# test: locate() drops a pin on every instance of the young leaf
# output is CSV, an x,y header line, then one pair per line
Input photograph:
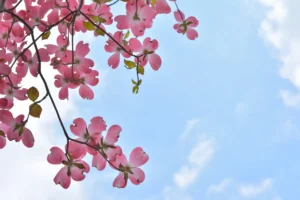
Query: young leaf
x,y
100,32
102,20
129,64
135,89
140,82
46,35
89,26
127,35
133,81
95,18
141,70
35,110
33,94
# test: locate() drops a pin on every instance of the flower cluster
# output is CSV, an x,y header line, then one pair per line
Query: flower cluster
x,y
102,148
23,23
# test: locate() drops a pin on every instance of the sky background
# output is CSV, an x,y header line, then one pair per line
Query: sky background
x,y
218,119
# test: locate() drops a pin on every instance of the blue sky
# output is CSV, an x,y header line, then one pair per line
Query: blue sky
x,y
219,119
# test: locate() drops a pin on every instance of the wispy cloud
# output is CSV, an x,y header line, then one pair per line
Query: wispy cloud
x,y
198,158
190,126
290,99
253,190
280,29
221,187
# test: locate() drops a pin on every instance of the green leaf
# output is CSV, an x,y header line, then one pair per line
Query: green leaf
x,y
127,35
33,94
153,2
141,70
133,81
46,35
135,89
129,64
1,59
95,18
35,110
140,82
89,26
102,20
100,32
125,42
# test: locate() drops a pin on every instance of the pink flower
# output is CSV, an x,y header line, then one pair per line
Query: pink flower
x,y
90,134
60,49
130,169
74,167
15,129
148,50
162,7
112,47
108,148
31,62
137,18
10,93
81,64
186,25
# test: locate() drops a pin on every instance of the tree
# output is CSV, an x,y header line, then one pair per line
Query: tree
x,y
20,57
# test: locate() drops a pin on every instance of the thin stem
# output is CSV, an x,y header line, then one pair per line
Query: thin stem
x,y
113,3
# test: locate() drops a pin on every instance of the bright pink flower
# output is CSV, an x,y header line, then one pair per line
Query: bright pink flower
x,y
131,169
90,134
15,49
74,167
11,93
81,64
137,18
14,126
31,62
60,49
185,26
108,148
112,47
162,7
36,14
148,50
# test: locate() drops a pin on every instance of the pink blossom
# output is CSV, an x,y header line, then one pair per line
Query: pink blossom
x,y
73,167
112,47
137,18
130,169
147,49
186,26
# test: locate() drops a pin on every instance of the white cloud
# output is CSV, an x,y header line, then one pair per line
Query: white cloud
x,y
191,124
253,190
290,99
221,187
280,28
198,158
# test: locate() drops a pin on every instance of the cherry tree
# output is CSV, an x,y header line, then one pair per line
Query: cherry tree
x,y
25,22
